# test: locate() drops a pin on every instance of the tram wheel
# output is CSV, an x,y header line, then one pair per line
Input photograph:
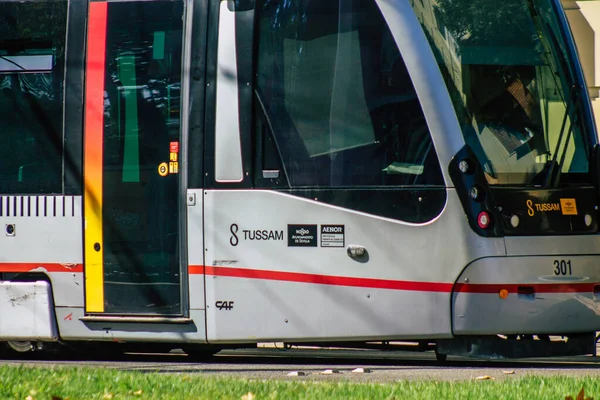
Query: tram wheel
x,y
20,346
16,349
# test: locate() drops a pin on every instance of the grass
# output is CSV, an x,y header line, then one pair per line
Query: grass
x,y
33,383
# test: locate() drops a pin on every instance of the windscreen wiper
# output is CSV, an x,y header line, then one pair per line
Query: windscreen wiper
x,y
556,62
572,99
13,63
552,177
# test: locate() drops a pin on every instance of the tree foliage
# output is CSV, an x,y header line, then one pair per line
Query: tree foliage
x,y
480,22
21,23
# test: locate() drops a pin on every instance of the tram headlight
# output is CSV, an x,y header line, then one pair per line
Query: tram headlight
x,y
587,218
484,220
515,221
463,165
476,193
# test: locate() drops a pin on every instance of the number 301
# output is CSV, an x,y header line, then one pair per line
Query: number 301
x,y
562,267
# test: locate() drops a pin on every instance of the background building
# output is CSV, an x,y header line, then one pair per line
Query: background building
x,y
584,17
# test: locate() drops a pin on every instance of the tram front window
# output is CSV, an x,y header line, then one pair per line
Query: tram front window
x,y
505,66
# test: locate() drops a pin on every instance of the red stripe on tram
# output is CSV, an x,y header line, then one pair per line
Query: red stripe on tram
x,y
439,287
322,279
40,267
535,288
333,280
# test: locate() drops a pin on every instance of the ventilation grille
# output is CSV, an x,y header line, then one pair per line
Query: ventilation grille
x,y
40,206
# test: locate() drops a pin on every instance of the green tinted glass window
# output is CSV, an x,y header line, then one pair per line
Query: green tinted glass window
x,y
32,59
510,79
337,99
142,133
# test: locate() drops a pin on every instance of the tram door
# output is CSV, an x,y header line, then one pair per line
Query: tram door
x,y
131,158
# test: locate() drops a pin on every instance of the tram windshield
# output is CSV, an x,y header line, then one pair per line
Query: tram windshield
x,y
506,68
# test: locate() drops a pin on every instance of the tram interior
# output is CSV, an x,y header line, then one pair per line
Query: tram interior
x,y
507,81
517,112
142,118
339,98
31,97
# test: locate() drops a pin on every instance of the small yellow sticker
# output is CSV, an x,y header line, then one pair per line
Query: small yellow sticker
x,y
568,206
173,167
173,157
163,169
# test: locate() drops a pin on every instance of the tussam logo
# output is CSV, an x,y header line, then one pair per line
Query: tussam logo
x,y
566,207
541,207
302,232
253,234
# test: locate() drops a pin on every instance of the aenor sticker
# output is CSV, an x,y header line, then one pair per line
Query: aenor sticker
x,y
163,169
568,206
302,235
332,236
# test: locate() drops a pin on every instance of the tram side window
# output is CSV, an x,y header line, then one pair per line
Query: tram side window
x,y
335,104
32,58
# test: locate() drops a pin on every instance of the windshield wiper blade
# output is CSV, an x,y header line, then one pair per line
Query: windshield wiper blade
x,y
8,60
575,103
553,175
572,99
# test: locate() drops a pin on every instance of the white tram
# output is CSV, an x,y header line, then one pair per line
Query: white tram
x,y
205,174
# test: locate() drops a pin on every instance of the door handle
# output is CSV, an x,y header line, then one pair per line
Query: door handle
x,y
357,252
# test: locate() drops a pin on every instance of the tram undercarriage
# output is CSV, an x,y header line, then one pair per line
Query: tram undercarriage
x,y
477,347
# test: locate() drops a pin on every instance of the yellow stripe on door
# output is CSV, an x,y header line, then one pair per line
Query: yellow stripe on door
x,y
93,156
